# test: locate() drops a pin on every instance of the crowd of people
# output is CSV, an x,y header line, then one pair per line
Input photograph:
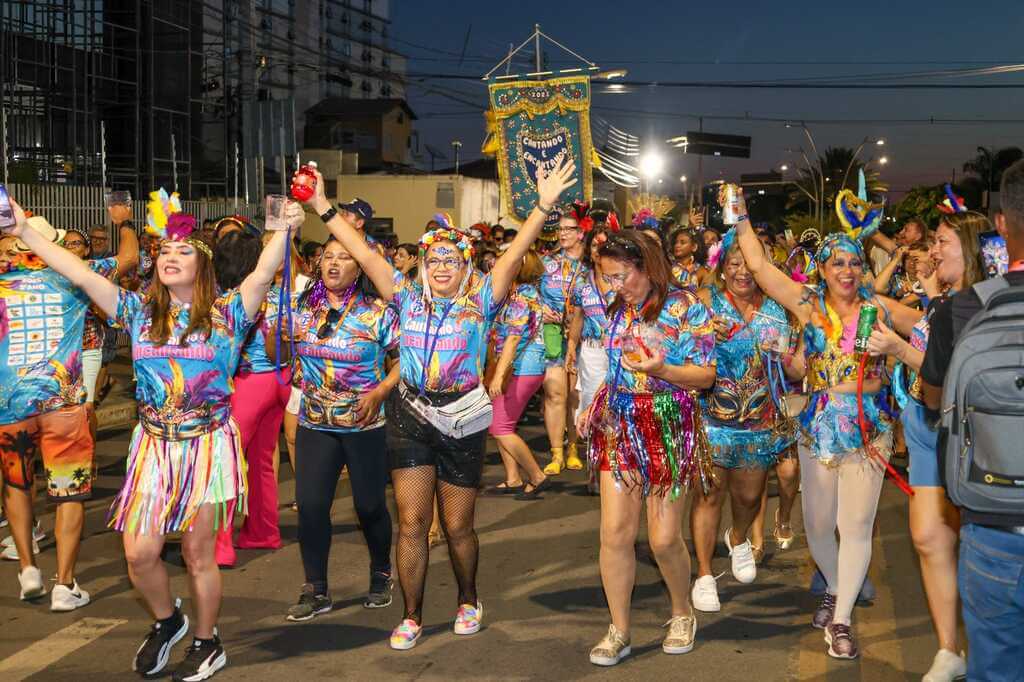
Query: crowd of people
x,y
671,361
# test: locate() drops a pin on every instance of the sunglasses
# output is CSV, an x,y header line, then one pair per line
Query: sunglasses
x,y
327,328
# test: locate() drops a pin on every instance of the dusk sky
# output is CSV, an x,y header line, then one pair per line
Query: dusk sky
x,y
748,41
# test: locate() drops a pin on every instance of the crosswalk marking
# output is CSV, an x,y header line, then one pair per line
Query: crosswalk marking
x,y
41,654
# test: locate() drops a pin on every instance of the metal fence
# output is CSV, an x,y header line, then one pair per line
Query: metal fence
x,y
73,207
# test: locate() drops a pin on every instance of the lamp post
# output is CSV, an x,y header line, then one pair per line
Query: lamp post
x,y
651,164
879,143
816,200
821,174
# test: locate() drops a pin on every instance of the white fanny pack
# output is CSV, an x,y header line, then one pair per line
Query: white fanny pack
x,y
469,414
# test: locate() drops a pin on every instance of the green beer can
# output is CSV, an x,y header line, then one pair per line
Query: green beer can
x,y
865,323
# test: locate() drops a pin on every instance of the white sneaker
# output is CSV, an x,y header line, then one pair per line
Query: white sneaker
x,y
63,598
31,580
705,594
10,552
946,667
744,567
37,534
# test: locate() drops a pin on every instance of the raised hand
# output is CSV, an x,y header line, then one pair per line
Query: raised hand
x,y
551,185
294,214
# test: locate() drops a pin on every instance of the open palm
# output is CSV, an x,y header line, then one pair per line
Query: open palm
x,y
551,185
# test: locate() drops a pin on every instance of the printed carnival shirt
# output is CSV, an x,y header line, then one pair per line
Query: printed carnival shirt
x,y
184,391
460,351
560,276
521,317
683,330
42,320
587,297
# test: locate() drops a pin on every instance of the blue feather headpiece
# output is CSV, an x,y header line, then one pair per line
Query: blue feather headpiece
x,y
859,217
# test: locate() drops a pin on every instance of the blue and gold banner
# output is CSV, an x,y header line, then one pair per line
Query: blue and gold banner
x,y
536,123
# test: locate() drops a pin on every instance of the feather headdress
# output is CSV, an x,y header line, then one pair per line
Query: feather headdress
x,y
952,204
860,218
165,219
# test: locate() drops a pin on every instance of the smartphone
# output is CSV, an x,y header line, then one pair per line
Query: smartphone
x,y
789,236
7,218
275,221
119,197
994,255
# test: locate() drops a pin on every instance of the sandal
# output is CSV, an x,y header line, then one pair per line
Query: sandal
x,y
505,488
535,490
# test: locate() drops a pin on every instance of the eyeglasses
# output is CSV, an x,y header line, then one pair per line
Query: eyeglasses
x,y
448,263
73,245
619,279
569,228
327,328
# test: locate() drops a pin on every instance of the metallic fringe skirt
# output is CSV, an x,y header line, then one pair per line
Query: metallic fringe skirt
x,y
651,441
168,482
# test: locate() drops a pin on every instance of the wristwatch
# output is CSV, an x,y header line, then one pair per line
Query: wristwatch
x,y
328,214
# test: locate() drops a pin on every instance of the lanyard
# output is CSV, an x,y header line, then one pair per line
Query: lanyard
x,y
611,341
350,298
432,345
284,301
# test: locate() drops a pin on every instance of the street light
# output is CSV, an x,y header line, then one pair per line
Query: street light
x,y
783,167
883,160
879,142
682,178
651,164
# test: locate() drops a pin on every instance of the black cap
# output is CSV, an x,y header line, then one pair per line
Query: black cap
x,y
359,207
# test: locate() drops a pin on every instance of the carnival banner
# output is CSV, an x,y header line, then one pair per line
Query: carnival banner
x,y
537,123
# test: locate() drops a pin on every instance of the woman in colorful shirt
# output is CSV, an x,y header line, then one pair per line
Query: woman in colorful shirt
x,y
646,438
590,297
518,374
742,415
934,521
343,332
185,464
687,254
444,318
840,474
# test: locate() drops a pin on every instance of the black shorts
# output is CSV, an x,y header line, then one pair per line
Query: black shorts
x,y
414,443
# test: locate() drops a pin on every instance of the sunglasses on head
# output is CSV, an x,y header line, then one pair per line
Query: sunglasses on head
x,y
325,330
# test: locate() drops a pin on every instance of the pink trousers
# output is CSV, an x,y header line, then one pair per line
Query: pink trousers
x,y
258,407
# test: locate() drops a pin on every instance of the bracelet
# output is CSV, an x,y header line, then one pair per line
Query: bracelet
x,y
328,214
545,211
740,219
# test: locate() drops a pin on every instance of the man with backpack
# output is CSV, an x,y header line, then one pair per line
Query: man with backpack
x,y
973,376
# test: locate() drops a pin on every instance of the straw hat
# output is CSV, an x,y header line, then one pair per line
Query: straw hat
x,y
43,227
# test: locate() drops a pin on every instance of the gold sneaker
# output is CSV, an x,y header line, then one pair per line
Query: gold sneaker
x,y
612,649
682,630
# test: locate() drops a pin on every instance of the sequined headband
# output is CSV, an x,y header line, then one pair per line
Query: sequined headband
x,y
447,233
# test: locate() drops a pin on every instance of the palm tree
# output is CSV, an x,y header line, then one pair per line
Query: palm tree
x,y
989,165
836,169
80,476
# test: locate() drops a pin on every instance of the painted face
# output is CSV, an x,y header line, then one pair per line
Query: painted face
x,y
8,254
738,279
684,246
842,273
626,280
177,264
445,268
569,233
948,255
74,243
337,268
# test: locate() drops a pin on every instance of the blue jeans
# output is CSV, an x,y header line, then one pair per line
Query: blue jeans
x,y
991,580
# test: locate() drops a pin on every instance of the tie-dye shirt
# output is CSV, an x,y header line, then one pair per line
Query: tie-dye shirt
x,y
560,276
683,330
521,317
184,391
587,297
42,318
457,362
338,369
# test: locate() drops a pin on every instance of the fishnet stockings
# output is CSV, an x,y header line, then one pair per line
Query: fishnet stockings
x,y
414,495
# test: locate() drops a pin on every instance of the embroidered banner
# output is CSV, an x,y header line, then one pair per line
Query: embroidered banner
x,y
537,123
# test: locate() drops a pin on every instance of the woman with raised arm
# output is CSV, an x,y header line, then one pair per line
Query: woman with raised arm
x,y
185,463
439,416
841,477
646,437
742,415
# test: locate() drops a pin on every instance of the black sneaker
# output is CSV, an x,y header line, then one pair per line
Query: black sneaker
x,y
204,658
310,605
379,595
152,656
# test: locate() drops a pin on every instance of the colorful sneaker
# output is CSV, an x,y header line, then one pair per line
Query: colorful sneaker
x,y
202,660
841,643
825,611
468,619
611,649
31,581
406,635
682,631
64,598
152,656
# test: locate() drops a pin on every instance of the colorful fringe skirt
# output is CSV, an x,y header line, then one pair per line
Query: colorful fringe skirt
x,y
168,481
738,448
830,423
651,441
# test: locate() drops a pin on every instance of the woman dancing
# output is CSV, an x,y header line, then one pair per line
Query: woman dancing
x,y
444,319
646,437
